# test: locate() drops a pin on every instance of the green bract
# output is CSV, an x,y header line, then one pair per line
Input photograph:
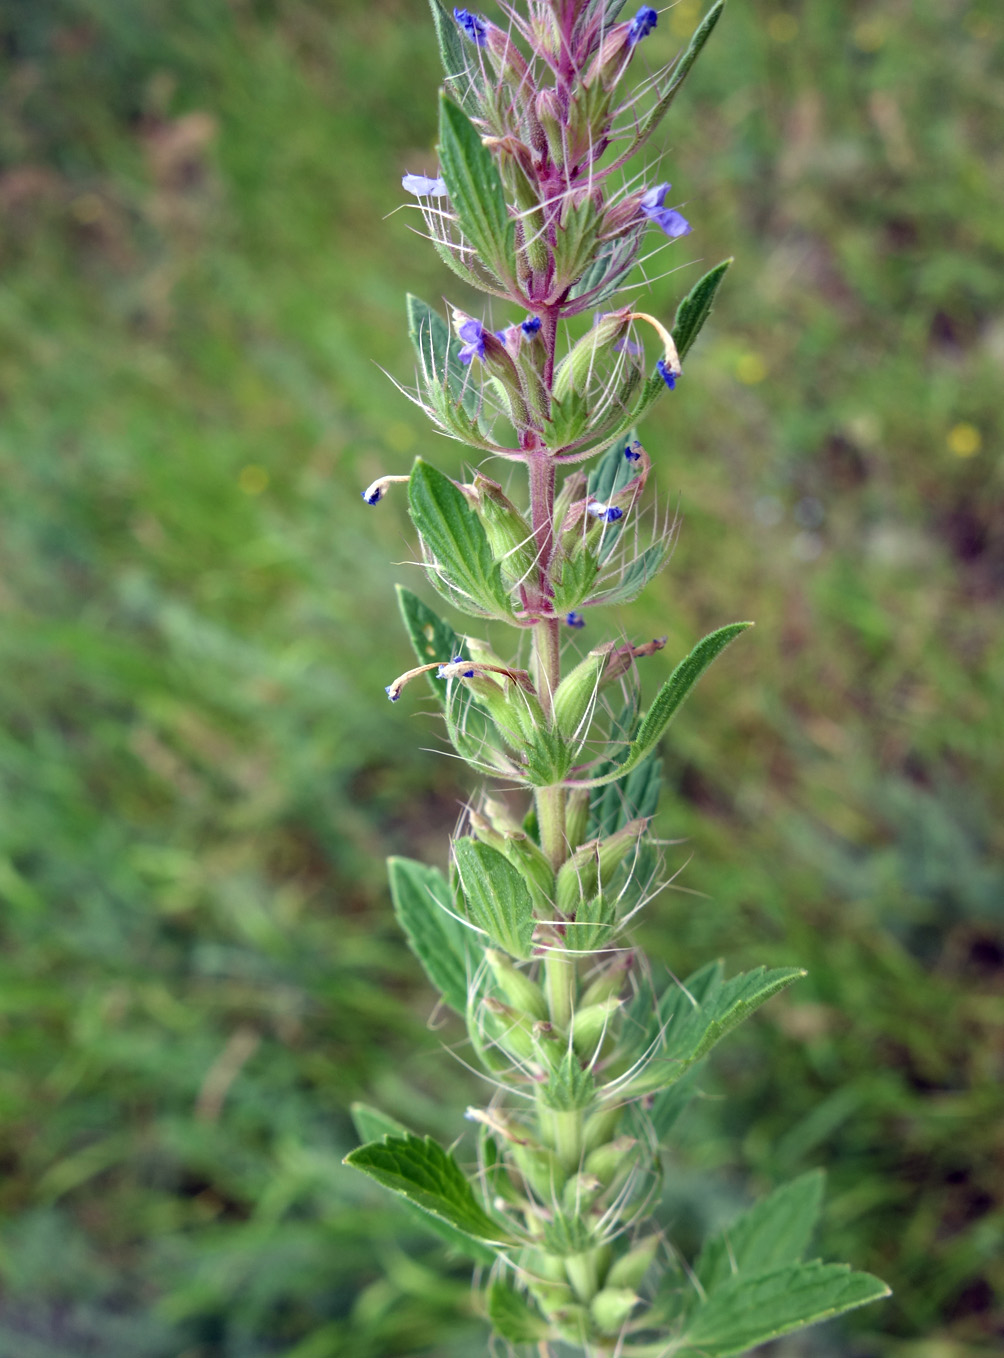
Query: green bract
x,y
590,1062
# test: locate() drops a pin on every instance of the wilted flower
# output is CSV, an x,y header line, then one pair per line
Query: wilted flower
x,y
473,25
642,24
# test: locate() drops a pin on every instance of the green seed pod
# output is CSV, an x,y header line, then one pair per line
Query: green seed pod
x,y
600,1126
579,1194
630,1269
578,879
609,982
591,1024
576,694
509,535
612,1160
541,1169
612,1307
577,367
576,817
523,994
510,1030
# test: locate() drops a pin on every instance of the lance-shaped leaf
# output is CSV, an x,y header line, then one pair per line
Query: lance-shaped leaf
x,y
677,75
372,1125
475,189
774,1232
683,1031
453,534
636,576
431,638
498,901
695,308
746,1311
443,945
637,798
453,56
513,1315
421,1172
668,700
439,353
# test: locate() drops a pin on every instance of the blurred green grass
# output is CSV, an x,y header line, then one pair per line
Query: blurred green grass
x,y
200,776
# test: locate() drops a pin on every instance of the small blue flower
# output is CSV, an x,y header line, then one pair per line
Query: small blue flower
x,y
668,376
530,326
642,24
633,450
608,513
473,332
575,620
392,693
372,497
423,187
457,660
473,25
666,218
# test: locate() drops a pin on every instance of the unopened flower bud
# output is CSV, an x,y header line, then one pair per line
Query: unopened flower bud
x,y
580,1193
591,1023
609,982
630,1269
612,1307
542,1170
576,694
600,1126
577,368
522,993
612,1160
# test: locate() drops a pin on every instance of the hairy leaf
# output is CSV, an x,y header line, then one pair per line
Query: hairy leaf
x,y
669,698
678,75
372,1125
475,189
441,943
684,1029
421,1172
775,1231
749,1310
695,308
454,535
498,901
513,1315
438,352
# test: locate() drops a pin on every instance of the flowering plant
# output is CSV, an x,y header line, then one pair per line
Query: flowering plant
x,y
589,1061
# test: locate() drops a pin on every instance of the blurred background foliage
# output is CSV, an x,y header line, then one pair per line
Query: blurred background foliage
x,y
199,773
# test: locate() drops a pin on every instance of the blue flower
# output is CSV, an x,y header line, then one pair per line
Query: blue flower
x,y
530,326
457,660
667,218
633,450
392,693
473,25
608,513
423,187
641,25
667,375
473,332
575,620
372,496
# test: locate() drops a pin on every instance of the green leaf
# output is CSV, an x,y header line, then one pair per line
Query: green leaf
x,y
454,535
498,901
372,1125
746,1311
677,76
578,575
669,1105
475,189
442,944
637,798
421,1172
690,1027
695,308
669,698
432,639
775,1231
636,576
513,1317
452,54
438,352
